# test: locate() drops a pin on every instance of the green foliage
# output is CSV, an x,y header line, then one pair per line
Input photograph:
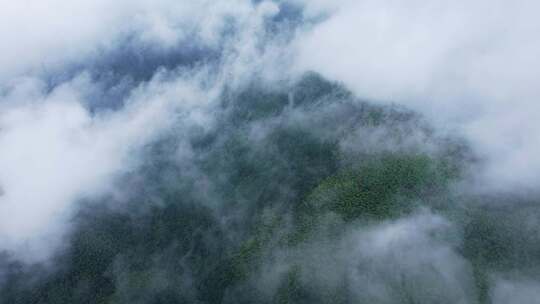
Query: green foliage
x,y
382,188
268,177
249,256
255,103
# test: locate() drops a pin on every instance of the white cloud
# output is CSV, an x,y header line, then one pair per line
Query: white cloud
x,y
469,65
413,258
55,152
40,36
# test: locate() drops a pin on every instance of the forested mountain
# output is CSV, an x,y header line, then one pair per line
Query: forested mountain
x,y
269,151
263,208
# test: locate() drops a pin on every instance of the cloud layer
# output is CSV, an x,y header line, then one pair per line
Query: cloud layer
x,y
60,143
470,66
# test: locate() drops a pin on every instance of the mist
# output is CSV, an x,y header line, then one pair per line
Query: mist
x,y
469,67
269,152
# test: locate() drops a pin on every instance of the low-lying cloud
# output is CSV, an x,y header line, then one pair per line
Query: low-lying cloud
x,y
470,66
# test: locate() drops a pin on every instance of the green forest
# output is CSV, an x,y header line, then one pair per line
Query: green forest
x,y
267,203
